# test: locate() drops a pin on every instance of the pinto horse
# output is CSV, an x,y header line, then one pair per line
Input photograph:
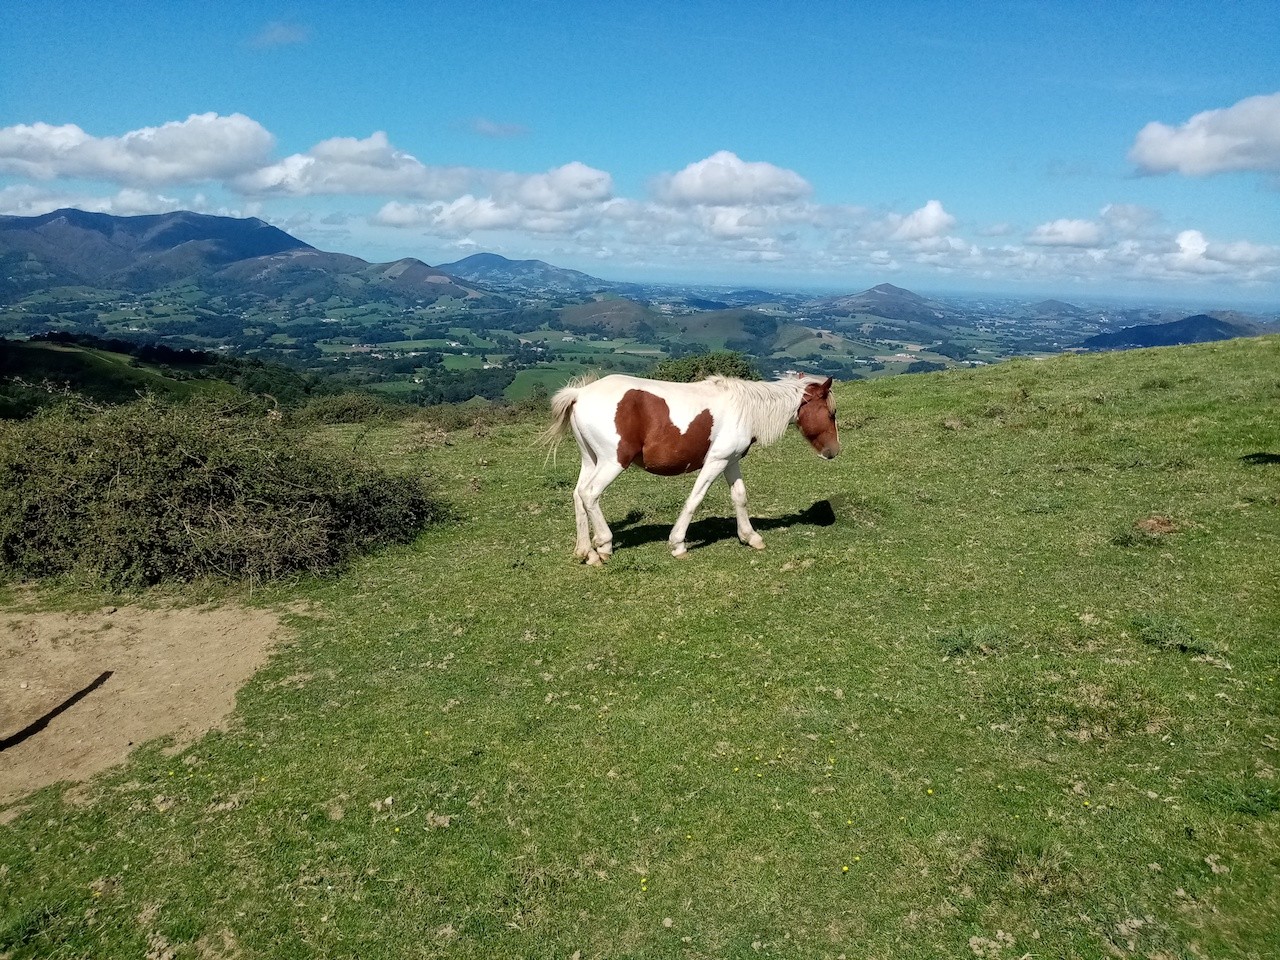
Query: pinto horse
x,y
673,428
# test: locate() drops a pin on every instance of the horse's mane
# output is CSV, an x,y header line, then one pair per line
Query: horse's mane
x,y
768,407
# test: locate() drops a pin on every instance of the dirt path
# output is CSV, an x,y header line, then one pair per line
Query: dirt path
x,y
79,691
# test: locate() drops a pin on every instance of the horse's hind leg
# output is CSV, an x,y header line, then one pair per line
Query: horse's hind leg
x,y
605,472
582,542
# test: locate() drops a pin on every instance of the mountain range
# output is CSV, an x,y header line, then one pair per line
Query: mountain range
x,y
218,254
227,257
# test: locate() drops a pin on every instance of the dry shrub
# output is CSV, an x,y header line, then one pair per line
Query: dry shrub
x,y
143,493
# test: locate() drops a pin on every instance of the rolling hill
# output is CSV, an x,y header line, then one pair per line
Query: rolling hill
x,y
884,300
1200,328
494,270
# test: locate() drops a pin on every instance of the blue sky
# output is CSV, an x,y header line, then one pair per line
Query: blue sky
x,y
1081,149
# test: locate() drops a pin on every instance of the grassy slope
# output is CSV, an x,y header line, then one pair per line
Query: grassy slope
x,y
98,374
959,671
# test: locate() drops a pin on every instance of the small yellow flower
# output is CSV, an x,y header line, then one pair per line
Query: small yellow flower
x,y
1086,803
844,869
929,791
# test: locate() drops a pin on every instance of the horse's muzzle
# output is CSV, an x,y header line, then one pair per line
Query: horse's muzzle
x,y
830,452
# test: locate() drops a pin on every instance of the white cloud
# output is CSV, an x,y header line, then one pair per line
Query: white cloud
x,y
346,165
25,200
203,147
1128,218
560,200
931,220
561,188
723,179
1245,136
1066,233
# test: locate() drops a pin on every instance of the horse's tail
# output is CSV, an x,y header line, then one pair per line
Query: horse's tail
x,y
562,409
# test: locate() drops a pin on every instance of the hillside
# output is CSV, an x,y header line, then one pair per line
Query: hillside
x,y
1201,328
491,269
38,373
884,300
1002,683
137,252
616,316
218,255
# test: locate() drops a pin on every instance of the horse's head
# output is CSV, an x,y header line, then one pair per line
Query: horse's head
x,y
817,419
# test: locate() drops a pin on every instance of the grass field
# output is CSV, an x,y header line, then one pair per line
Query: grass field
x,y
1004,684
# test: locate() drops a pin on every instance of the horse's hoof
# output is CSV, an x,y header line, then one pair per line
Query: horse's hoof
x,y
594,559
756,542
680,551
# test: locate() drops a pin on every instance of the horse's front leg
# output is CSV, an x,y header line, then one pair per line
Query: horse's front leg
x,y
710,470
738,491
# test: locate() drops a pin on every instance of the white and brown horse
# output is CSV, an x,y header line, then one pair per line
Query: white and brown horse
x,y
674,428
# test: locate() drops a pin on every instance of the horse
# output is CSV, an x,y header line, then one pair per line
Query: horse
x,y
673,428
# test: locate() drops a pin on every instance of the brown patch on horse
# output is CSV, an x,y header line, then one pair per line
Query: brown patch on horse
x,y
817,419
649,439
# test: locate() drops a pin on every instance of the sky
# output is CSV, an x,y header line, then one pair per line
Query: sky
x,y
1082,149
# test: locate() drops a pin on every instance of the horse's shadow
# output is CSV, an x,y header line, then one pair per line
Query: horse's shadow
x,y
628,532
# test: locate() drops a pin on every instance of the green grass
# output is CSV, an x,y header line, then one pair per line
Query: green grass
x,y
963,669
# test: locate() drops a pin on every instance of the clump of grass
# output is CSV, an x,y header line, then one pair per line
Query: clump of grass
x,y
147,492
964,641
1167,633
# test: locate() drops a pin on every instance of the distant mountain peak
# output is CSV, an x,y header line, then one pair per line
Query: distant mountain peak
x,y
889,290
495,269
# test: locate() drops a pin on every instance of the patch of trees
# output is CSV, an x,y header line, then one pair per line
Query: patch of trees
x,y
458,386
924,366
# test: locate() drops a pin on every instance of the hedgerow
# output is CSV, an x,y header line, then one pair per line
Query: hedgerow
x,y
148,492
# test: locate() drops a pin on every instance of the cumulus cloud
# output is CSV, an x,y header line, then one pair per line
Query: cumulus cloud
x,y
1066,233
26,200
346,165
205,146
1245,136
723,179
560,200
931,220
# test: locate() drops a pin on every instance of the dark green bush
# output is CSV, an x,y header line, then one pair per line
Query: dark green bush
x,y
145,492
699,366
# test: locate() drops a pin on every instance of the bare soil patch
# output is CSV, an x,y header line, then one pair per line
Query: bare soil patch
x,y
1156,526
79,691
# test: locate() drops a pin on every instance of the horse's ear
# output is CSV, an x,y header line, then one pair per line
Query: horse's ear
x,y
826,387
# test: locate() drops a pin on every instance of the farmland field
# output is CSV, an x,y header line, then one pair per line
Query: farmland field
x,y
1003,684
